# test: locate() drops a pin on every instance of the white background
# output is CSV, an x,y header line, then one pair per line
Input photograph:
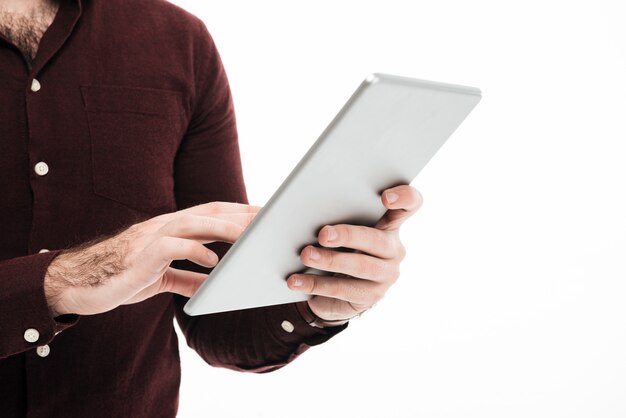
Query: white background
x,y
512,299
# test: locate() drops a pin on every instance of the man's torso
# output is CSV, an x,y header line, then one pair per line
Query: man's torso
x,y
114,84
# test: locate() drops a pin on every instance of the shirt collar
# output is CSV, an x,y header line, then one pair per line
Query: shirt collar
x,y
57,34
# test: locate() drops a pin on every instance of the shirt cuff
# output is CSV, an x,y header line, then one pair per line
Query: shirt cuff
x,y
26,321
287,324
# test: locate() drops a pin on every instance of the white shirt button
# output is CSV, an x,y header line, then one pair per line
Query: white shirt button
x,y
287,326
31,335
43,350
43,250
35,86
41,168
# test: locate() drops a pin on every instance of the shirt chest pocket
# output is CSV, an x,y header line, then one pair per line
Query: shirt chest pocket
x,y
135,133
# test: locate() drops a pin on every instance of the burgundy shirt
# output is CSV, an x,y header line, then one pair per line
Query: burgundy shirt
x,y
125,114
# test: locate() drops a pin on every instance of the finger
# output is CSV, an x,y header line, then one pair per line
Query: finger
x,y
211,209
361,266
360,293
181,282
404,197
177,281
242,219
158,255
218,208
202,228
393,220
402,201
369,240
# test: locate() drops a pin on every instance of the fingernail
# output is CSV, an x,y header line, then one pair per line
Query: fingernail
x,y
296,281
391,197
212,257
314,253
331,233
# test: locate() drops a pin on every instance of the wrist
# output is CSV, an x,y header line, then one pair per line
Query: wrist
x,y
315,321
55,286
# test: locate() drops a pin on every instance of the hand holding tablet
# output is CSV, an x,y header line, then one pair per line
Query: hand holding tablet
x,y
361,278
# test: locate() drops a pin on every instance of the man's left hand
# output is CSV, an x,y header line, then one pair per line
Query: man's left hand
x,y
363,277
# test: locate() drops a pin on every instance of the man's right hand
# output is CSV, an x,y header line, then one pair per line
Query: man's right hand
x,y
134,265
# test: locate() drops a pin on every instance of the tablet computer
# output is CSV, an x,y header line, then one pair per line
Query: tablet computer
x,y
382,137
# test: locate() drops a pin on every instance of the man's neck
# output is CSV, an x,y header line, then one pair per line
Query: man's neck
x,y
25,21
22,7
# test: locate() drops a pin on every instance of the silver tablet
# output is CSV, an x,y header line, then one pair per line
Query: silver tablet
x,y
383,136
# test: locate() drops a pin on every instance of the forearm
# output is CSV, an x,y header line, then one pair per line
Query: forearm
x,y
90,264
253,340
